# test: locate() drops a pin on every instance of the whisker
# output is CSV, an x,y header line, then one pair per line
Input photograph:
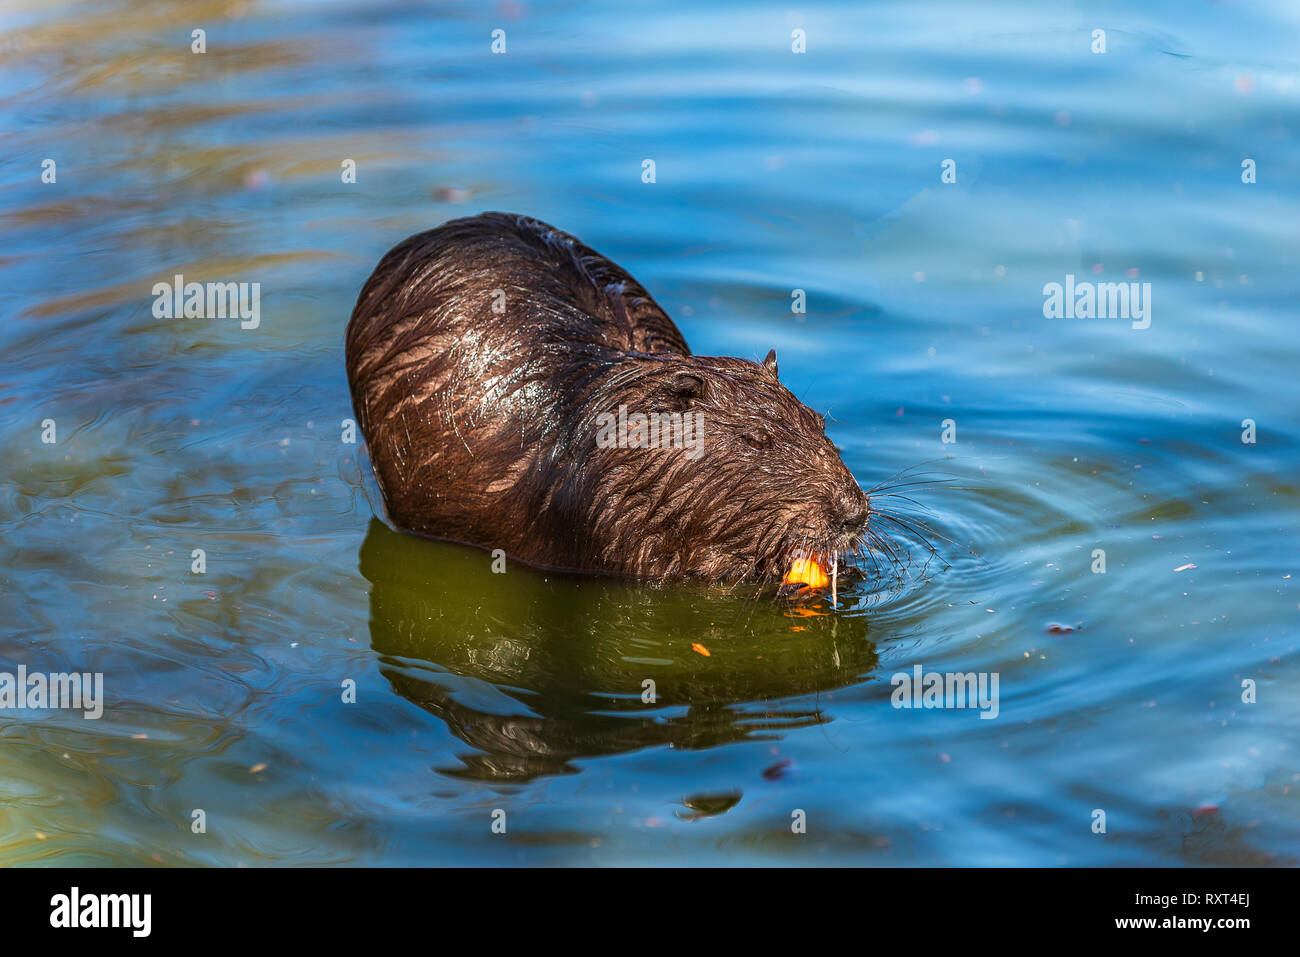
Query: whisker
x,y
910,523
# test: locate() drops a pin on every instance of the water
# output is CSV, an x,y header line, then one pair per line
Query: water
x,y
775,171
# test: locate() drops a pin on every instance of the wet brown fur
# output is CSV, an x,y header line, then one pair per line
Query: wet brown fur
x,y
482,424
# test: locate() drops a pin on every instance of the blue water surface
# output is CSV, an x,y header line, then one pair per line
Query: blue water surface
x,y
1160,693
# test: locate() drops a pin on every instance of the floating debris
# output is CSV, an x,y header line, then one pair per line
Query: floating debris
x,y
779,770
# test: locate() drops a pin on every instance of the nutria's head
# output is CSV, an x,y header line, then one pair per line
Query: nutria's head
x,y
695,466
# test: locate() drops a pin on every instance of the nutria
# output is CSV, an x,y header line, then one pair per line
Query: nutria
x,y
488,360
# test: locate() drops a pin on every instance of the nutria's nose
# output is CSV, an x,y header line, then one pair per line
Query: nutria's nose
x,y
853,510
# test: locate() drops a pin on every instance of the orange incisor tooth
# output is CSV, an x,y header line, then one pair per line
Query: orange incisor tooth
x,y
807,570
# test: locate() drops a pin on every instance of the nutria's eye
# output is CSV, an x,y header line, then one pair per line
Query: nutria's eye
x,y
757,440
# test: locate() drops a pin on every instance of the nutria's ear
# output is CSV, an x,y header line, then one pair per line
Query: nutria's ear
x,y
687,385
770,363
677,391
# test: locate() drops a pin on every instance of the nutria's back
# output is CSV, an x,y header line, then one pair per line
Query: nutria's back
x,y
485,358
550,292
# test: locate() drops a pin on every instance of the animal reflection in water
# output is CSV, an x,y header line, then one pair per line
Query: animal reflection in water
x,y
534,671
